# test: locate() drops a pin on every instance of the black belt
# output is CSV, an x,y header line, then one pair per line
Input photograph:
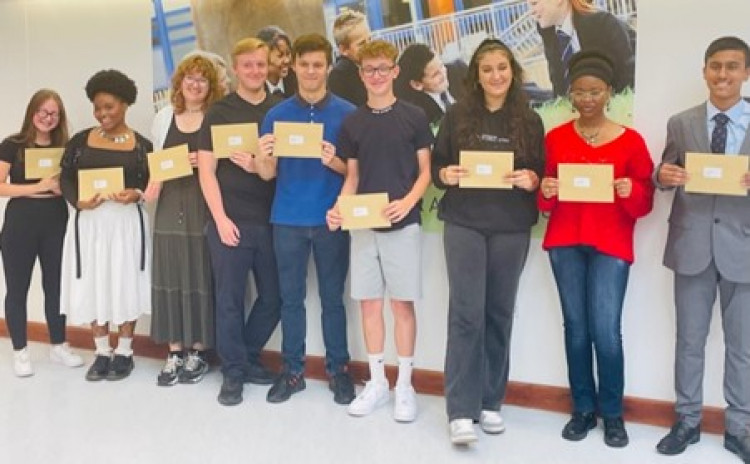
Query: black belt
x,y
143,241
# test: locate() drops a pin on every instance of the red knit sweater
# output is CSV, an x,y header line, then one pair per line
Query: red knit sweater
x,y
608,227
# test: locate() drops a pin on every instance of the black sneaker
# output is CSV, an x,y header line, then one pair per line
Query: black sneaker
x,y
120,367
342,387
258,374
171,371
195,368
739,445
231,392
615,434
100,368
579,425
679,437
285,386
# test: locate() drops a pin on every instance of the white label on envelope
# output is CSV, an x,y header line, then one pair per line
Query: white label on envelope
x,y
296,139
234,141
360,211
712,173
581,182
45,163
484,169
166,164
100,184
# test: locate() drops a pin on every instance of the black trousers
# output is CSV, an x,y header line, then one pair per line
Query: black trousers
x,y
34,227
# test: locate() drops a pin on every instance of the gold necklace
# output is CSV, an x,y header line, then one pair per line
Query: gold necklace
x,y
589,138
119,138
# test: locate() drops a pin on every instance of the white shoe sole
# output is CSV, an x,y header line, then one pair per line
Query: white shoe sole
x,y
356,412
464,439
410,416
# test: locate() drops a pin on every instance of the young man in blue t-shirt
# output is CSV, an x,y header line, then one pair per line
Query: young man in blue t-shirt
x,y
386,143
305,189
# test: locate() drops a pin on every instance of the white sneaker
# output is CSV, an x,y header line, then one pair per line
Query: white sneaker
x,y
405,406
491,422
462,431
63,355
374,395
22,363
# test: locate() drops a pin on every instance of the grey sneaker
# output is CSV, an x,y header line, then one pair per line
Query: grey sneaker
x,y
171,372
195,368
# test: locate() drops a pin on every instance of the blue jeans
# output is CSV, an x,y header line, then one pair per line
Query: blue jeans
x,y
331,256
592,289
240,339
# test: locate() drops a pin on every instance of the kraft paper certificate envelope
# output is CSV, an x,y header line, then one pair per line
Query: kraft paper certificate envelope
x,y
363,211
228,138
586,182
487,169
715,173
42,162
168,164
103,181
298,139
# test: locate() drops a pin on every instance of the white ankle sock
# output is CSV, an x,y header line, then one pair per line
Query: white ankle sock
x,y
405,366
124,346
377,367
102,345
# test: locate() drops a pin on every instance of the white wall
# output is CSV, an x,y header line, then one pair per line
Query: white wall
x,y
62,46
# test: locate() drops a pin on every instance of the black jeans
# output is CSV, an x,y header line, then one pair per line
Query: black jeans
x,y
34,227
483,274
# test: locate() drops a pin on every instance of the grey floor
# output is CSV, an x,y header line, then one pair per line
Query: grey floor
x,y
57,417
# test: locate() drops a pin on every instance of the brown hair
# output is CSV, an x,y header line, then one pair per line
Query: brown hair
x,y
247,45
195,64
312,43
583,6
377,49
27,135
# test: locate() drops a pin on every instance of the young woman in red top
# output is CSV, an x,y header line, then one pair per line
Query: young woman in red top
x,y
591,245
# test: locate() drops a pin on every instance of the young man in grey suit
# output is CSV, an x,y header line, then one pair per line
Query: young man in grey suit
x,y
708,247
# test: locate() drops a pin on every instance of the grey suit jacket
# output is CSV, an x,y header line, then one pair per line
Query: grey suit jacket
x,y
704,227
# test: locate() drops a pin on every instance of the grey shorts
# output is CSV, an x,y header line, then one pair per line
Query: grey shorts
x,y
386,260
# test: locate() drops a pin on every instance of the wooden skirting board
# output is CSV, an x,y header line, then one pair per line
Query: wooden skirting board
x,y
527,395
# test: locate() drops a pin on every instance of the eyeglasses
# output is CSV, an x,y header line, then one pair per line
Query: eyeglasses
x,y
583,94
196,80
382,71
42,113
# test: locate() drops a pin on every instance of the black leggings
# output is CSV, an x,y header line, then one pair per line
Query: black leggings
x,y
34,227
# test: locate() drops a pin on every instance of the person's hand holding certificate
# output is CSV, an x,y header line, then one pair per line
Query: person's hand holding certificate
x,y
364,211
298,140
580,182
486,169
170,163
715,173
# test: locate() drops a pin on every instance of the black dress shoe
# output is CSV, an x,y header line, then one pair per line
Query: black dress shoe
x,y
615,434
231,392
738,445
579,425
120,367
285,386
258,374
98,370
679,437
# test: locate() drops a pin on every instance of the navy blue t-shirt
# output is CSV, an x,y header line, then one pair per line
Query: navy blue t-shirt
x,y
385,143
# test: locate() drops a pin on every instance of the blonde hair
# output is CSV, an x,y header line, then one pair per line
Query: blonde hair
x,y
195,64
344,24
377,49
247,45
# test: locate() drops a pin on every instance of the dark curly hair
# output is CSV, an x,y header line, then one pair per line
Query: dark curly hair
x,y
113,82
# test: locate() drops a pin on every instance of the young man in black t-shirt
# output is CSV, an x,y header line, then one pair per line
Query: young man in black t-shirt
x,y
387,147
239,195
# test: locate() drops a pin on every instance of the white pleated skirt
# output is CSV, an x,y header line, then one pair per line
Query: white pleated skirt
x,y
110,285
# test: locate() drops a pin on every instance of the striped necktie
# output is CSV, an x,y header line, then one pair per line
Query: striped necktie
x,y
565,42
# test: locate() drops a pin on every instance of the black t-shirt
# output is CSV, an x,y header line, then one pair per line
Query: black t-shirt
x,y
176,137
246,197
12,152
385,143
79,155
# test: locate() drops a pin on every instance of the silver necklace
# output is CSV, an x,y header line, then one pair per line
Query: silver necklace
x,y
119,138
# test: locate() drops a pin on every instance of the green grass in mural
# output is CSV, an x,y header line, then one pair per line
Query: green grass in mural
x,y
553,113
